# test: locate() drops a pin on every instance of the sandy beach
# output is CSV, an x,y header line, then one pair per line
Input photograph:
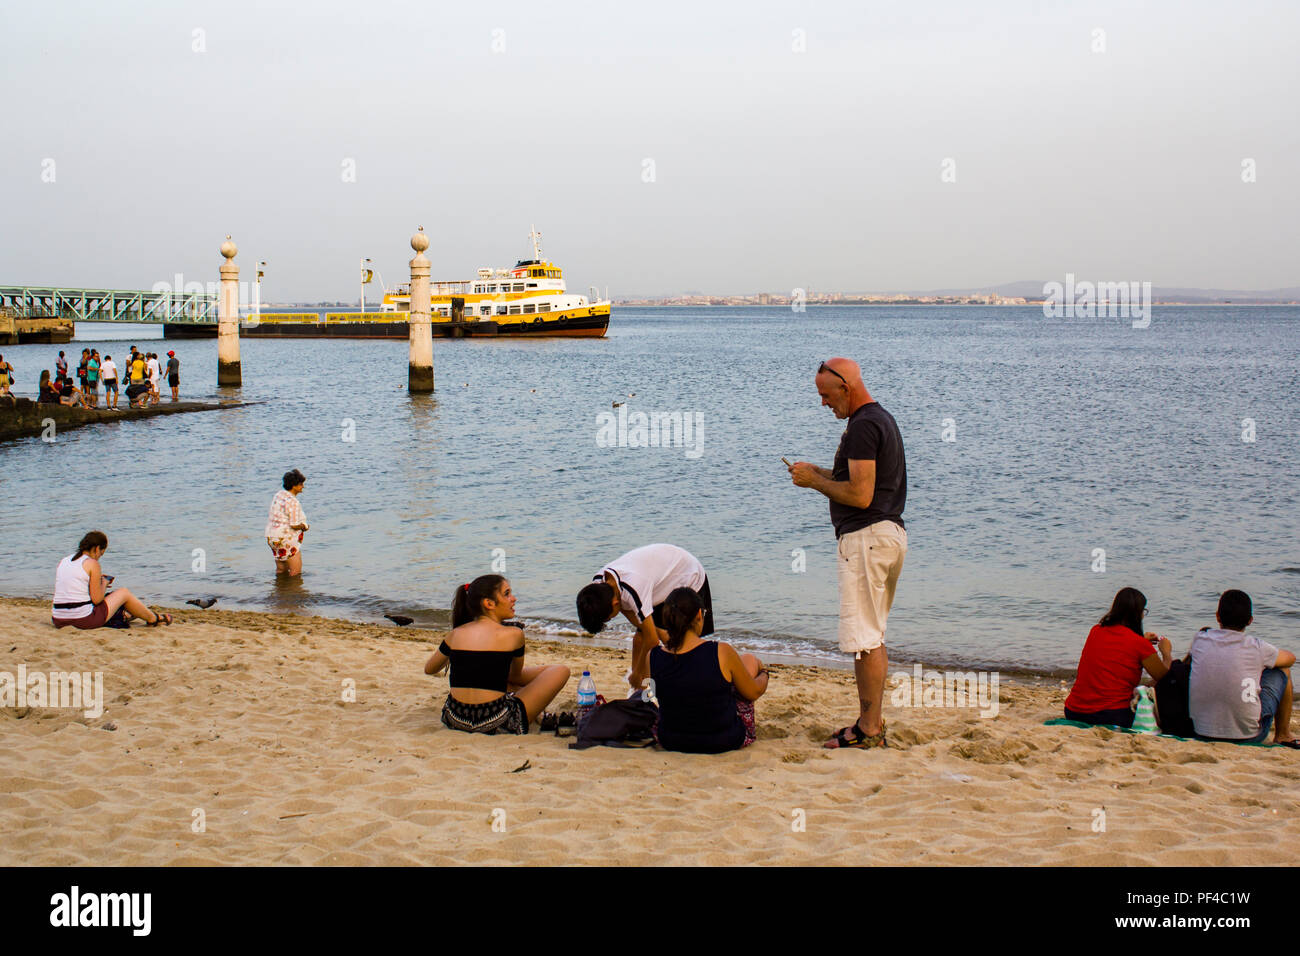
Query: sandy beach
x,y
225,739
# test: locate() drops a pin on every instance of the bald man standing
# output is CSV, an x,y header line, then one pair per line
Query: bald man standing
x,y
867,488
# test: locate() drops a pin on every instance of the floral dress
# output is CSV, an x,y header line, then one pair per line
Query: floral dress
x,y
280,535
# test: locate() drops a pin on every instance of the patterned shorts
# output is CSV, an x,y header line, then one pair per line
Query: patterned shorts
x,y
505,715
745,708
283,551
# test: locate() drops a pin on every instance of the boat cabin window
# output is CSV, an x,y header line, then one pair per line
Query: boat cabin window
x,y
519,287
529,309
544,307
532,285
514,310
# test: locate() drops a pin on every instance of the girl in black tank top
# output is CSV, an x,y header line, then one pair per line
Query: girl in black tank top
x,y
704,688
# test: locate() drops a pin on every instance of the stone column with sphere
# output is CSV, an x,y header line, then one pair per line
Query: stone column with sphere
x,y
228,369
420,323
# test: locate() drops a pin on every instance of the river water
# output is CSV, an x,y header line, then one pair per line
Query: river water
x,y
1033,446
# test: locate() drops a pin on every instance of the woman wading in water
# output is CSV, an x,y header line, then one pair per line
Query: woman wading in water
x,y
286,525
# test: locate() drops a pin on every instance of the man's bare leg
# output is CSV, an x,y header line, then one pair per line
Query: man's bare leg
x,y
870,668
1282,720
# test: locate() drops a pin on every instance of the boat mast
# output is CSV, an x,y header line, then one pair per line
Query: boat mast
x,y
536,236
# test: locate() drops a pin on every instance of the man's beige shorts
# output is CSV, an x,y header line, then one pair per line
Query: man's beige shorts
x,y
870,561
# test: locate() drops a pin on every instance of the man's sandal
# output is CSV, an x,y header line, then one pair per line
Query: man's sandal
x,y
852,737
159,619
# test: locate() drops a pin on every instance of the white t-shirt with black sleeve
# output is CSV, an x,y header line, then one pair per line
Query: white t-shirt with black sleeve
x,y
647,575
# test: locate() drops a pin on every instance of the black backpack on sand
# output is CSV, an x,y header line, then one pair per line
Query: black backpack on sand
x,y
619,723
1171,700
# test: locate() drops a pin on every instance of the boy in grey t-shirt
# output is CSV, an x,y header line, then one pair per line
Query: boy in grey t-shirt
x,y
1239,684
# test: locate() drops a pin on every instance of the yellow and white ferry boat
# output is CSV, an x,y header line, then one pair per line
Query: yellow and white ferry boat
x,y
528,300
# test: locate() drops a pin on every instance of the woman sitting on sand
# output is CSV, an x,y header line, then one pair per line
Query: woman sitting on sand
x,y
287,524
80,591
1114,656
706,690
491,689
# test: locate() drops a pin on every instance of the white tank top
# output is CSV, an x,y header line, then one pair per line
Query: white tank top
x,y
72,586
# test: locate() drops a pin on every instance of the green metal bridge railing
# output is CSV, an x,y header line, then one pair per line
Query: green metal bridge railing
x,y
109,305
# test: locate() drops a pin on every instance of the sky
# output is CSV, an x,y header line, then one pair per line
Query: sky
x,y
722,148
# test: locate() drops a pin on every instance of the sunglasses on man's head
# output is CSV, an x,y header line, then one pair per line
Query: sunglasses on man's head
x,y
826,368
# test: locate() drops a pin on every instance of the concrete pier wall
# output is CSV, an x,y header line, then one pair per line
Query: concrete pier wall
x,y
24,418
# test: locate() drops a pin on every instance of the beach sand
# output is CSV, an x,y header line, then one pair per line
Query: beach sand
x,y
239,716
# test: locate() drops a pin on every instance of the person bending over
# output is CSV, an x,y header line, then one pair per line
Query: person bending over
x,y
81,595
492,690
636,585
705,689
69,394
1113,659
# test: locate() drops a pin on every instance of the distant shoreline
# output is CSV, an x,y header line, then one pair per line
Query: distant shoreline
x,y
927,305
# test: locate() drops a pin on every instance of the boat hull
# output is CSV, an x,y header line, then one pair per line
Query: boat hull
x,y
589,322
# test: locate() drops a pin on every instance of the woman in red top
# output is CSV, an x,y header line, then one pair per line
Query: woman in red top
x,y
1111,665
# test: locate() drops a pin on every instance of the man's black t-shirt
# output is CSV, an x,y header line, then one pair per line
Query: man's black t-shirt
x,y
871,433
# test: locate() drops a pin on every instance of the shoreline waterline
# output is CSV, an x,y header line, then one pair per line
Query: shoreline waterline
x,y
539,635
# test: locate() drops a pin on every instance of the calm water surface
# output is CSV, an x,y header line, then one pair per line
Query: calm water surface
x,y
1071,435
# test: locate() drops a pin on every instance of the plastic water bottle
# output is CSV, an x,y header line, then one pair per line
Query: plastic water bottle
x,y
586,697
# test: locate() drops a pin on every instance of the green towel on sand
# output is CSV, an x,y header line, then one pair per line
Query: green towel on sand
x,y
1064,722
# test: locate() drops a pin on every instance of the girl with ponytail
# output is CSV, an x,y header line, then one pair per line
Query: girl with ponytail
x,y
81,595
467,603
706,690
491,690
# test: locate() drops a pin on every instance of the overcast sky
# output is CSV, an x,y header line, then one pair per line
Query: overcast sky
x,y
165,126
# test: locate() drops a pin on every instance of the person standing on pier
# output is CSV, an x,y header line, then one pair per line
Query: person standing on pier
x,y
137,392
286,525
174,375
92,378
109,372
61,367
6,376
867,488
155,373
